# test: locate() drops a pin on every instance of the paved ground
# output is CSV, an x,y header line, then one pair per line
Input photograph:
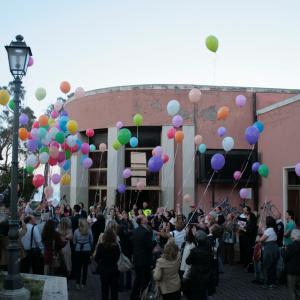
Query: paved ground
x,y
235,284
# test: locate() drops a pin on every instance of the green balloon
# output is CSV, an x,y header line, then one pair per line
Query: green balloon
x,y
68,154
40,94
116,145
124,136
263,170
29,169
11,104
138,120
44,149
60,137
212,43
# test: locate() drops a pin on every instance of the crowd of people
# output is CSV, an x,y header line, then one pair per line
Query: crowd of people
x,y
164,252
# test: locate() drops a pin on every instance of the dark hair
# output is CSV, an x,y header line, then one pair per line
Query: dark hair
x,y
220,208
248,208
109,238
77,208
190,238
27,219
82,205
48,231
270,222
139,220
291,213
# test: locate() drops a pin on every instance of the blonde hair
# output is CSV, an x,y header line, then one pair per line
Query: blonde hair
x,y
83,226
171,250
64,226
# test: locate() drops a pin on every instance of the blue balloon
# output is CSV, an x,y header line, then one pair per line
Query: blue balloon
x,y
259,125
202,148
67,165
92,148
121,188
63,123
155,163
252,135
217,162
78,142
64,113
42,132
133,142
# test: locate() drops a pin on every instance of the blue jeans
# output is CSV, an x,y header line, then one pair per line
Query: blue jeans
x,y
257,270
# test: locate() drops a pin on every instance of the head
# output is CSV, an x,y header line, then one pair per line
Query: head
x,y
68,207
48,231
145,205
109,238
57,210
289,215
92,210
247,210
179,225
230,217
77,208
64,225
201,237
83,226
170,250
113,225
125,215
112,212
140,212
270,222
81,205
66,212
277,215
218,209
142,220
295,235
215,230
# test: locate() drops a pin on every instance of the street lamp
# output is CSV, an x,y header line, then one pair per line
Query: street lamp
x,y
18,58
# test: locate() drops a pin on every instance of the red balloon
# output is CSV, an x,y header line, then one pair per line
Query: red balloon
x,y
65,146
38,180
52,161
90,132
171,133
74,149
36,124
165,158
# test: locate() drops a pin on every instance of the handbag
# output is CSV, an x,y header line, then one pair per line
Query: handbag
x,y
124,263
151,292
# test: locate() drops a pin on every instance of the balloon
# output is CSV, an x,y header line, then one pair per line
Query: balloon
x,y
212,43
68,154
133,142
38,180
116,145
85,148
61,157
255,167
31,160
42,132
202,148
263,170
46,140
155,163
221,131
53,152
195,95
44,157
30,61
64,113
54,144
243,193
92,148
60,137
87,163
102,147
4,97
237,175
173,107
119,124
165,158
187,198
121,188
34,133
223,113
124,136
179,136
259,125
23,134
198,139
55,178
140,185
171,133
158,151
90,132
35,124
40,94
67,165
48,191
44,149
65,179
29,169
65,87
252,135
138,120
11,104
43,120
52,161
32,145
240,100
217,162
177,121
71,140
58,106
228,143
23,119
79,92
72,126
126,173
297,169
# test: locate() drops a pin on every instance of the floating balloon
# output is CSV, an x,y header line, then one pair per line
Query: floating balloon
x,y
116,145
119,124
53,152
79,92
29,169
165,158
4,97
173,107
23,119
67,165
32,145
71,141
48,191
87,163
92,148
64,113
140,185
126,173
31,160
187,198
171,133
55,178
72,126
240,100
259,125
217,162
179,136
244,193
228,143
11,104
212,43
202,148
65,179
121,188
263,170
133,142
40,94
61,157
252,135
255,167
30,61
23,134
155,163
43,120
65,87
52,133
297,169
237,175
38,180
63,121
221,131
124,136
90,132
58,106
44,149
85,148
195,95
54,114
138,120
223,113
102,147
198,139
52,161
60,137
177,121
158,151
44,157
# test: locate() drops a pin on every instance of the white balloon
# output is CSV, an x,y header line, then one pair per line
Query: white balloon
x,y
52,132
71,140
46,140
44,157
173,107
31,160
34,133
228,143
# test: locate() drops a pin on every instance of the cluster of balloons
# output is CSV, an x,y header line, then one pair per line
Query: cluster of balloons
x,y
173,108
158,159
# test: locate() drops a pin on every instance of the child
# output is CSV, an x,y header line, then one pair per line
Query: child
x,y
257,258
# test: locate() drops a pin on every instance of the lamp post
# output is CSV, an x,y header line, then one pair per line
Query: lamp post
x,y
18,58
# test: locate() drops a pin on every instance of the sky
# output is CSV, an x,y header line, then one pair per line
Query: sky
x,y
96,43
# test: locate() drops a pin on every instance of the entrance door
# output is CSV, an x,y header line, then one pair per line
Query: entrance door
x,y
293,194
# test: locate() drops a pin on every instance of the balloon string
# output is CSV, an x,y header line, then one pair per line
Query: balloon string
x,y
137,198
130,199
263,215
98,178
214,68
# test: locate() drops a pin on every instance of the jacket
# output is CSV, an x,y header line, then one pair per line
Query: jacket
x,y
107,259
166,274
292,259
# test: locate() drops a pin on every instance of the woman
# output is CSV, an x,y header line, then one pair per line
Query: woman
x,y
166,272
229,239
270,252
54,263
68,211
65,231
92,218
107,256
83,243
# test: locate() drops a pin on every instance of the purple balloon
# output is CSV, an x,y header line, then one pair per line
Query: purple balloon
x,y
255,167
121,188
87,163
30,61
177,121
297,169
221,131
217,162
126,173
243,193
32,145
23,119
55,178
64,113
252,135
155,163
240,100
158,151
119,124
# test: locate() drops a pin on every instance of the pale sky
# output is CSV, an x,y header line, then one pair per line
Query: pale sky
x,y
97,43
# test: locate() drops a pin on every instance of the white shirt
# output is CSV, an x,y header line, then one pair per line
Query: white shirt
x,y
36,240
179,237
185,254
270,234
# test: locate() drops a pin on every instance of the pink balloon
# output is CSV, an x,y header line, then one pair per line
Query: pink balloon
x,y
48,191
61,157
38,180
158,151
140,185
53,152
58,106
55,178
240,100
87,163
85,148
54,114
119,124
237,175
126,173
165,158
177,121
79,92
198,139
297,169
171,133
195,95
54,144
102,147
243,193
187,198
90,132
30,61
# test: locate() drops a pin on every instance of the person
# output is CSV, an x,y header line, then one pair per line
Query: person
x,y
292,265
107,256
83,213
52,246
219,215
142,256
68,211
290,225
166,272
229,239
57,216
241,222
279,229
146,210
98,228
179,233
270,252
92,218
257,262
194,214
83,243
76,217
201,261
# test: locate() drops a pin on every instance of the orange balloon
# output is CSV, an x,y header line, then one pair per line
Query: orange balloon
x,y
23,134
223,113
65,87
43,120
179,136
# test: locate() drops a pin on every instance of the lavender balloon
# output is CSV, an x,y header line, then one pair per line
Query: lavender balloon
x,y
87,163
121,188
243,193
158,151
221,131
126,173
240,100
177,121
32,145
119,124
155,163
297,169
23,119
55,178
255,167
217,162
252,135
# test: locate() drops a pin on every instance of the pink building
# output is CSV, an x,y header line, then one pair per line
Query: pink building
x,y
187,172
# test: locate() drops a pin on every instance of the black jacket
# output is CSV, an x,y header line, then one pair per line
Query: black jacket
x,y
107,259
125,233
75,221
292,259
97,228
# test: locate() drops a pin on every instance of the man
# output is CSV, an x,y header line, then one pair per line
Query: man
x,y
83,213
75,217
142,256
195,214
290,225
147,211
279,229
220,216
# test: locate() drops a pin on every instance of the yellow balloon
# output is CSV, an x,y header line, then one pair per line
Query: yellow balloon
x,y
65,179
51,122
72,126
4,97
